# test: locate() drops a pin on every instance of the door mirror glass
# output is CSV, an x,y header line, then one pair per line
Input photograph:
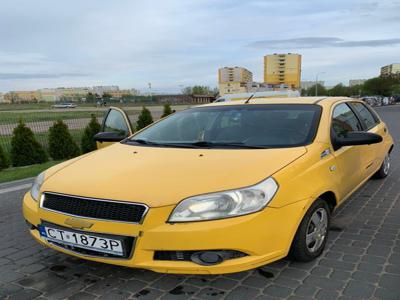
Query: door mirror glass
x,y
356,138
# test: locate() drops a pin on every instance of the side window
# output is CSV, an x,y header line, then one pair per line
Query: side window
x,y
344,120
115,122
365,114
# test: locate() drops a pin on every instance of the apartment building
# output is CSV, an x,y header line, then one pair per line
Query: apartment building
x,y
232,80
283,69
390,70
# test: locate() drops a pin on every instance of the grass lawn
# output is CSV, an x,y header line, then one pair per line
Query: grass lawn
x,y
11,174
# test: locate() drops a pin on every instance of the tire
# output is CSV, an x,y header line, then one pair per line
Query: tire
x,y
384,169
304,249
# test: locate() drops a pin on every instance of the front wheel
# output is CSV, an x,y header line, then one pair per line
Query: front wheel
x,y
384,169
311,236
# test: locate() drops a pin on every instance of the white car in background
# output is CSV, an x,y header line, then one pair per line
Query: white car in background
x,y
64,105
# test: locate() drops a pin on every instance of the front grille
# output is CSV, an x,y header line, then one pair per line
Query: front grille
x,y
94,208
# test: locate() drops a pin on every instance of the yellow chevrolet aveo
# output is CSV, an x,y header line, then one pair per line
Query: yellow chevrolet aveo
x,y
218,188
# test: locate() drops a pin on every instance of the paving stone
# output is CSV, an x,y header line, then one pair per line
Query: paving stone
x,y
148,294
181,292
365,276
278,291
306,290
223,283
324,283
168,282
115,294
210,293
359,289
390,281
387,294
25,294
82,296
327,295
243,292
132,286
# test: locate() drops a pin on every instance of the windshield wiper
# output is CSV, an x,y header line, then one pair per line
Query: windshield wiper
x,y
227,145
150,143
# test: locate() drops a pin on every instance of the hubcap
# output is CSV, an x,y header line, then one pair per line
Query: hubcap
x,y
316,230
386,164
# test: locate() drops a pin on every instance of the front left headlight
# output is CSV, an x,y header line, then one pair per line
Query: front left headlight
x,y
225,204
37,184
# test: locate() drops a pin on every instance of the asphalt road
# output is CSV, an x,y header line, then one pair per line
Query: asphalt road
x,y
361,261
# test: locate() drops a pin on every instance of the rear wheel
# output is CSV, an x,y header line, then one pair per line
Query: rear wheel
x,y
312,233
384,169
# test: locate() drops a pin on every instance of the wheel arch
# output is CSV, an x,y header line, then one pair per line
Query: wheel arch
x,y
330,198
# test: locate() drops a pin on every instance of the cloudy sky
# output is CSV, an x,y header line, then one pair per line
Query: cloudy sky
x,y
174,43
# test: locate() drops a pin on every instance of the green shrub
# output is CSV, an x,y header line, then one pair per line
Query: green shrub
x,y
61,143
25,149
88,143
3,160
167,110
144,119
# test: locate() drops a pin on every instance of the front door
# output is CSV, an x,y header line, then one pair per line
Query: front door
x,y
349,158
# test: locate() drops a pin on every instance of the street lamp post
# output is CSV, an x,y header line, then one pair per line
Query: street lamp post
x,y
316,82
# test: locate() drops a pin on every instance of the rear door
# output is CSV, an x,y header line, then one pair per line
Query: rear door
x,y
115,127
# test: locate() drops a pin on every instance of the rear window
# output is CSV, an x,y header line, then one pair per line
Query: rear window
x,y
366,116
228,126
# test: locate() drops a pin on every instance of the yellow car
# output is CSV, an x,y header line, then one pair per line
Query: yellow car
x,y
218,188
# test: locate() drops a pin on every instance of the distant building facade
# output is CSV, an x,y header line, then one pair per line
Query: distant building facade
x,y
233,80
283,69
390,70
304,85
353,82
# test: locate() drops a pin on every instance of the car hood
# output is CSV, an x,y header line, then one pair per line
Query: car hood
x,y
164,176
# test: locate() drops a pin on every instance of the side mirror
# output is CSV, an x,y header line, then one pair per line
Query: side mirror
x,y
356,138
109,137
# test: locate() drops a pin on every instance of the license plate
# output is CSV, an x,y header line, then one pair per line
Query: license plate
x,y
82,240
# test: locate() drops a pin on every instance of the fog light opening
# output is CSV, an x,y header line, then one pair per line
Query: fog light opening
x,y
207,258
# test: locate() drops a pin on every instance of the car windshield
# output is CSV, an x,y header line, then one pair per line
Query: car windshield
x,y
234,126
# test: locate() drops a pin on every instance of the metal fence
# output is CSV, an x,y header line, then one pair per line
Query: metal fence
x,y
40,122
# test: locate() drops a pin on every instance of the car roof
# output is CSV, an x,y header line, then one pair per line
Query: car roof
x,y
323,101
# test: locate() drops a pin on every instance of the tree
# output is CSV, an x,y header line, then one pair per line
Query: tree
x,y
167,110
339,90
144,119
380,86
87,142
106,96
3,159
198,90
25,149
61,143
321,90
90,98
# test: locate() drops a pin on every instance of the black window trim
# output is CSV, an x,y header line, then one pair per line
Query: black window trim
x,y
359,117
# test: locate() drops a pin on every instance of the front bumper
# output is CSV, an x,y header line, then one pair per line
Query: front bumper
x,y
264,236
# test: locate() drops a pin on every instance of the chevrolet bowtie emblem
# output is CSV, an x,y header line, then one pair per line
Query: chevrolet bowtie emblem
x,y
78,223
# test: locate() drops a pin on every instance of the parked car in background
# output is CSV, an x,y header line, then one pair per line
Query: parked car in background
x,y
218,188
64,105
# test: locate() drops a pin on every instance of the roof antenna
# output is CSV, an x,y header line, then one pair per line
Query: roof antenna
x,y
252,95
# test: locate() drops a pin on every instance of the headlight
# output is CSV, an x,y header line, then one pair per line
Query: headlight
x,y
37,184
225,204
